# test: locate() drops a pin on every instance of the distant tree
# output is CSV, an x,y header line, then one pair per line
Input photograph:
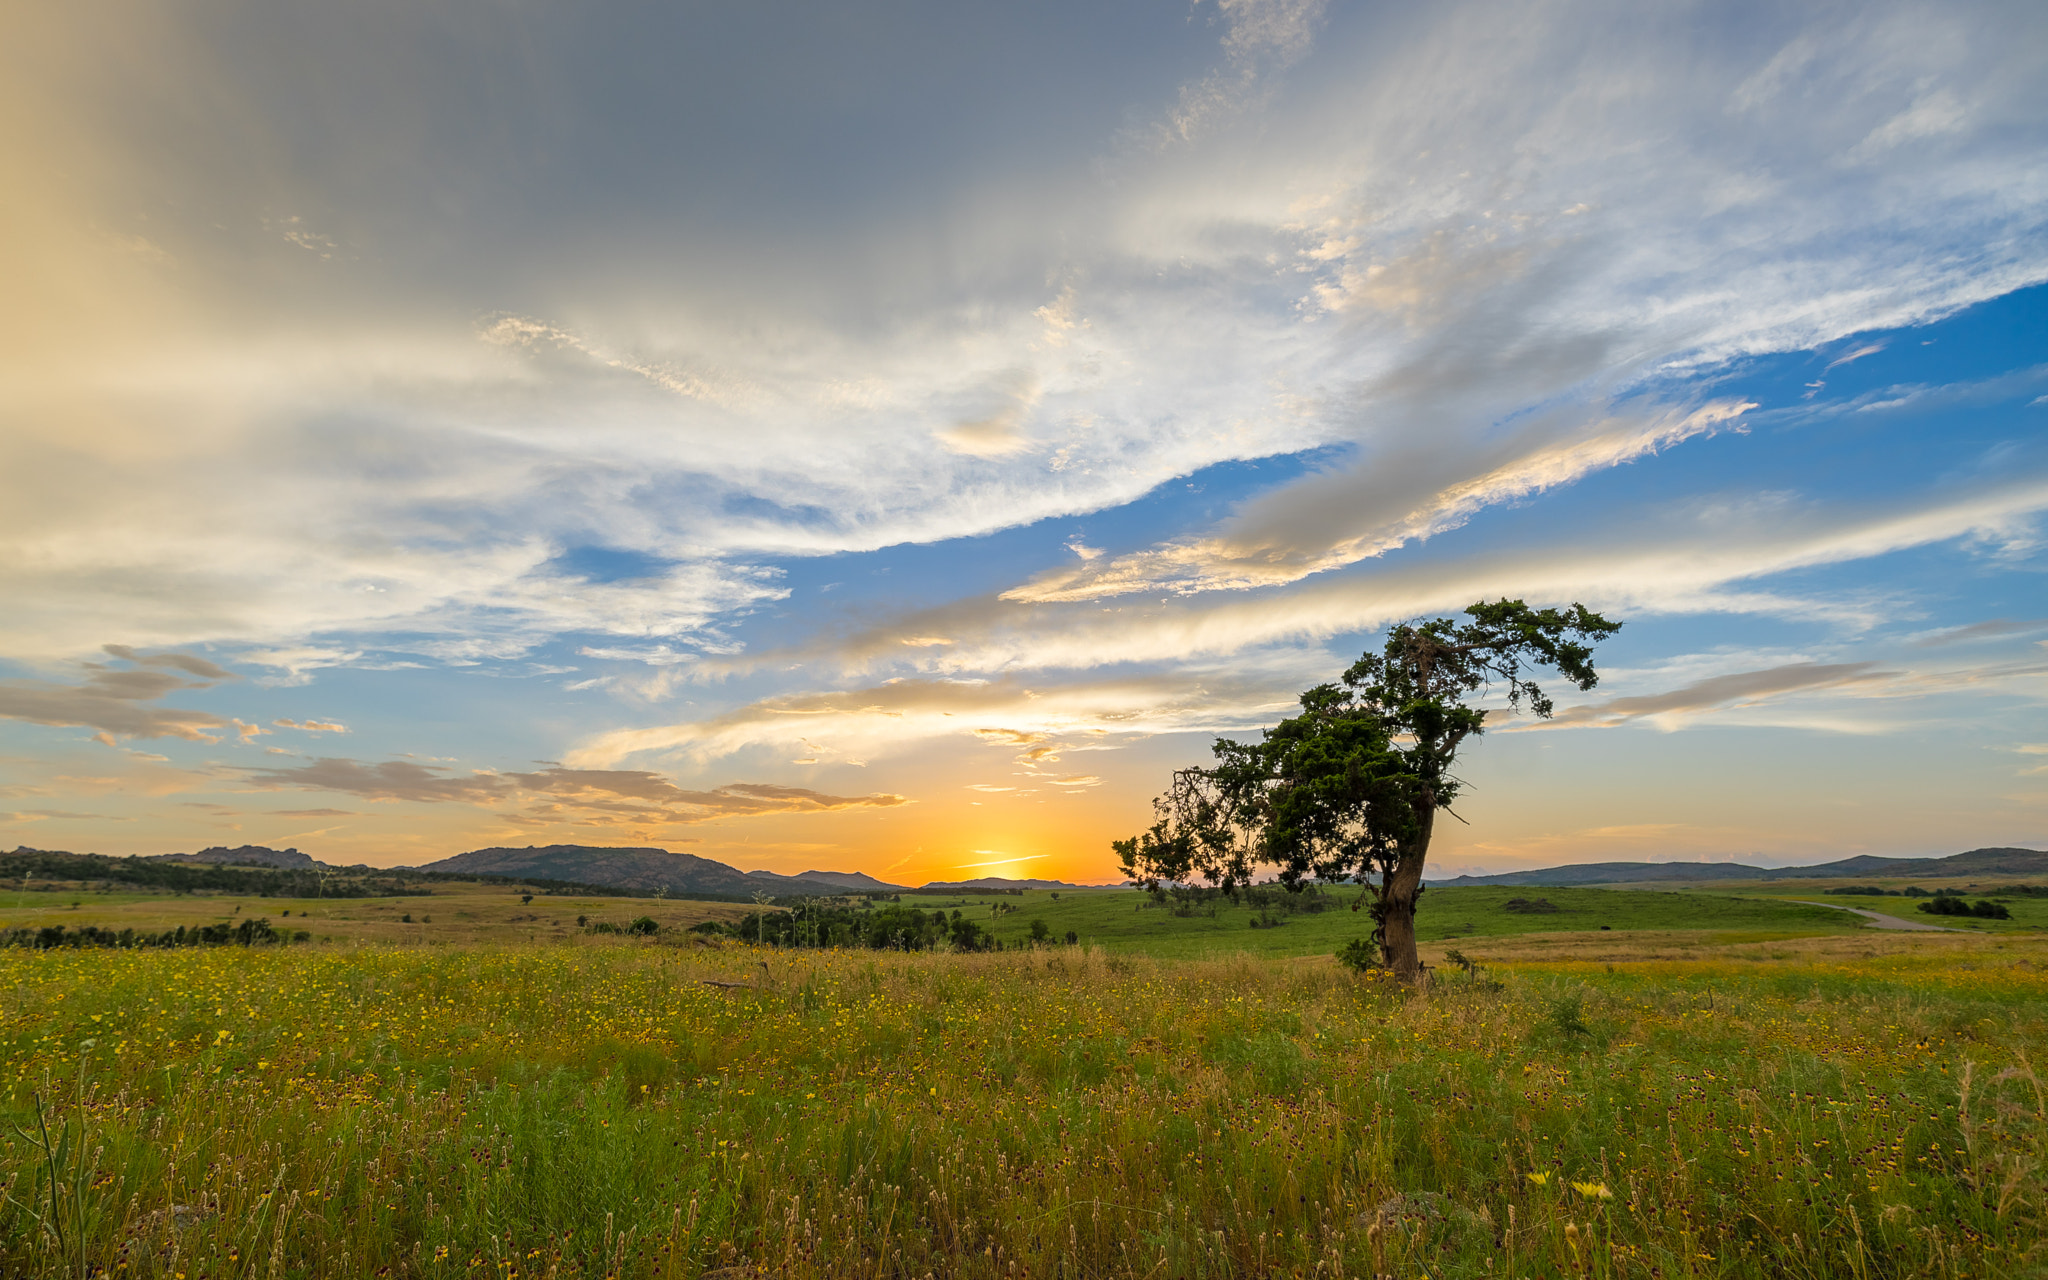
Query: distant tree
x,y
1040,931
968,935
1350,788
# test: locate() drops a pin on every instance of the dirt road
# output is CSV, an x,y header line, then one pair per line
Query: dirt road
x,y
1881,920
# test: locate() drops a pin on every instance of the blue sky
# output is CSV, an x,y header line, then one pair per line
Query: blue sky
x,y
894,438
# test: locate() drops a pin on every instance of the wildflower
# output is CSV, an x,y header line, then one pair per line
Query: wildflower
x,y
1540,1179
1593,1190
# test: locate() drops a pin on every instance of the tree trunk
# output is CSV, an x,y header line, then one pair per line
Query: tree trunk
x,y
1397,927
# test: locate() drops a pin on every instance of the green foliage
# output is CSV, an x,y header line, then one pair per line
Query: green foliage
x,y
1349,789
253,932
1358,955
1566,1016
876,925
1984,909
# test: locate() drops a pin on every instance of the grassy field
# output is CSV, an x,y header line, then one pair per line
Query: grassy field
x,y
1122,920
455,913
1117,920
1855,1105
2029,914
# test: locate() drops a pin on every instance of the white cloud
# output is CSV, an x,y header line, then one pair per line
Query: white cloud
x,y
1372,508
1468,248
890,717
1673,561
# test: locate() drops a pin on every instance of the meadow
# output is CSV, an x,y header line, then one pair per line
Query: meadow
x,y
1844,1104
452,914
1271,923
1116,920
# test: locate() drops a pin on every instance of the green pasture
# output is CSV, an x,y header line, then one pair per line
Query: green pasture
x,y
1126,920
2029,914
1856,1106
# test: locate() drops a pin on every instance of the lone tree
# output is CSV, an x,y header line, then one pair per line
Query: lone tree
x,y
1350,788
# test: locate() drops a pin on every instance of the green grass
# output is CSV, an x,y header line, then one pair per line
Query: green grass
x,y
530,1111
1127,921
455,913
2029,914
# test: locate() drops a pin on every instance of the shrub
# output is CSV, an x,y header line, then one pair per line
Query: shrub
x,y
1567,1016
1359,955
1944,905
645,926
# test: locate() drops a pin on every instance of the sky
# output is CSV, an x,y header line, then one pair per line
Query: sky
x,y
893,437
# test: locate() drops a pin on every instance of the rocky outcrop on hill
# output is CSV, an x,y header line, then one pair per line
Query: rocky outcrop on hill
x,y
248,855
681,874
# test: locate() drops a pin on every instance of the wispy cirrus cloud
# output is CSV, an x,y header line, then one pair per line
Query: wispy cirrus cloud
x,y
635,794
890,716
1712,555
1374,507
117,702
1719,693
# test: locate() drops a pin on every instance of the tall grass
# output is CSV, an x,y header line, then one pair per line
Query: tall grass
x,y
601,1111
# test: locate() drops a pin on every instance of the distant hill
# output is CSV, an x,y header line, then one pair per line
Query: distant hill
x,y
1976,862
997,882
649,870
858,881
248,855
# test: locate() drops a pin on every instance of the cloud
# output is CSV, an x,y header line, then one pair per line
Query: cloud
x,y
1261,38
112,701
391,780
62,815
1853,355
998,861
1738,689
185,662
1991,629
1009,737
894,715
633,794
999,430
1930,116
852,356
1706,556
311,726
1370,509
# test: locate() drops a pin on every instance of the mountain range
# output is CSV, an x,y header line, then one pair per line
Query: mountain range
x,y
1976,862
248,855
682,874
997,882
687,875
